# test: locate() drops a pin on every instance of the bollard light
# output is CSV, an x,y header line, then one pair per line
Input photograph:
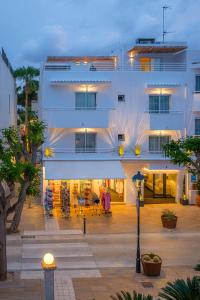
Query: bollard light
x,y
48,261
49,265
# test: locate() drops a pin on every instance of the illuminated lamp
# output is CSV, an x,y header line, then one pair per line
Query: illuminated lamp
x,y
48,262
121,150
48,152
137,149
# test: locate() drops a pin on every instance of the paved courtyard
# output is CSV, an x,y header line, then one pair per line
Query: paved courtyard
x,y
101,262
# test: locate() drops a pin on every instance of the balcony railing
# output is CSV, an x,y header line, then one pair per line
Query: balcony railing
x,y
112,66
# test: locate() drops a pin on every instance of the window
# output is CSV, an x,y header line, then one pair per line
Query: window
x,y
159,103
85,142
156,143
197,83
145,64
121,137
86,100
121,98
197,126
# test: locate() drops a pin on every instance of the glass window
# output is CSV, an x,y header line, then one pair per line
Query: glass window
x,y
121,98
197,126
85,142
145,64
159,103
157,142
121,137
197,84
85,101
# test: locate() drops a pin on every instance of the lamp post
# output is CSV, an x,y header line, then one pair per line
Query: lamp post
x,y
138,179
49,265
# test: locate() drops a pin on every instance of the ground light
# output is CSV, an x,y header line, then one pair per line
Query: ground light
x,y
138,179
49,265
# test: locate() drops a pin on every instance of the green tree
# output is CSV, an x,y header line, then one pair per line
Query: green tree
x,y
186,152
27,88
17,166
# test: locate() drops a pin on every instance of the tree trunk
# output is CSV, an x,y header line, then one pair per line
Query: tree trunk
x,y
19,208
3,257
26,109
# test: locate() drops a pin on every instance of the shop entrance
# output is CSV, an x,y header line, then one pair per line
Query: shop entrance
x,y
160,188
70,194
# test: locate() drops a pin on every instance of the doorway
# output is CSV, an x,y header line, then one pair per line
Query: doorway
x,y
160,188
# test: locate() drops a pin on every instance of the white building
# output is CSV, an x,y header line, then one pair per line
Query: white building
x,y
8,99
96,108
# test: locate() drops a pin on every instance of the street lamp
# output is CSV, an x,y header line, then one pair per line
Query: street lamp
x,y
138,179
49,265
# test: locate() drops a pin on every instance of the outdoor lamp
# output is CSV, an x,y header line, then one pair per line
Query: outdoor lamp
x,y
49,266
48,261
138,179
48,152
137,149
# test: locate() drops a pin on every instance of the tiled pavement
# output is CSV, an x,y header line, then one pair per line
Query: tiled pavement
x,y
102,262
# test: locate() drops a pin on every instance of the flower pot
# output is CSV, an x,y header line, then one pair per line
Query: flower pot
x,y
198,200
169,223
151,268
184,201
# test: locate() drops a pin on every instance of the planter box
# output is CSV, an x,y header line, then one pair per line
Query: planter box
x,y
169,223
151,269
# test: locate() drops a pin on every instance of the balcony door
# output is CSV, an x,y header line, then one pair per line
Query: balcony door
x,y
85,101
85,142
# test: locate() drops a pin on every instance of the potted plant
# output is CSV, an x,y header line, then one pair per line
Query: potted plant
x,y
184,200
151,264
169,219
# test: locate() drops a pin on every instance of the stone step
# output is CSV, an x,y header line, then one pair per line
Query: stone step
x,y
69,265
93,273
54,246
27,233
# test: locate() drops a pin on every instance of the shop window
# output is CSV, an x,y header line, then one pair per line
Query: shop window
x,y
197,126
197,83
121,98
159,103
85,142
121,137
85,101
156,143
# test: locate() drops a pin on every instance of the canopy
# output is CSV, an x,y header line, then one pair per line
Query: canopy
x,y
59,170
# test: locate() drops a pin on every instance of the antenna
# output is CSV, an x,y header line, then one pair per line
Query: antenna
x,y
164,32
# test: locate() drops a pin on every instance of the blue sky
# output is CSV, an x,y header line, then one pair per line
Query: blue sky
x,y
33,29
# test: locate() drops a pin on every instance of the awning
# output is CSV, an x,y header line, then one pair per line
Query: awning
x,y
162,85
92,81
59,170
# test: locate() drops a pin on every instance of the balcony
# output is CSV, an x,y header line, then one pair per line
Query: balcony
x,y
114,66
174,120
82,118
196,102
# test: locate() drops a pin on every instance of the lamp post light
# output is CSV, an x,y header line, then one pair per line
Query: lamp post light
x,y
49,265
138,179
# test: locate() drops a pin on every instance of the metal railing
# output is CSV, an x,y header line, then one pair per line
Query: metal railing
x,y
78,108
151,111
112,66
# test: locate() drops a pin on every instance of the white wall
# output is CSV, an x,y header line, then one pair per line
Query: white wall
x,y
8,102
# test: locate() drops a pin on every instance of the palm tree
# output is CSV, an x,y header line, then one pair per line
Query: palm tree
x,y
27,75
182,289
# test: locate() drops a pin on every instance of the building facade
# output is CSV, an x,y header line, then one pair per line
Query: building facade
x,y
8,98
109,116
